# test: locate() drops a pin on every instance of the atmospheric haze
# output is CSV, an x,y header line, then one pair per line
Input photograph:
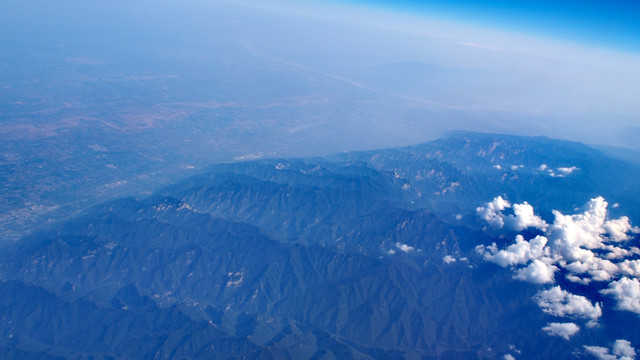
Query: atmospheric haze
x,y
414,76
103,99
317,179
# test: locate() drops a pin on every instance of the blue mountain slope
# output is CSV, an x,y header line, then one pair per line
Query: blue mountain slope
x,y
363,255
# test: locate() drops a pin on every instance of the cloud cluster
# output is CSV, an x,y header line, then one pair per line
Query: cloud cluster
x,y
584,244
541,269
564,330
621,350
559,172
576,234
585,247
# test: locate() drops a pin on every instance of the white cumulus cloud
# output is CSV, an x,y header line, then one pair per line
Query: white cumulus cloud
x,y
623,348
597,268
626,291
620,350
567,170
448,259
404,247
491,212
630,267
523,216
519,253
599,352
538,272
564,330
561,303
618,229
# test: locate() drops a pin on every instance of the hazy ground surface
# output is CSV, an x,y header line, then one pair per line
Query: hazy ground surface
x,y
100,100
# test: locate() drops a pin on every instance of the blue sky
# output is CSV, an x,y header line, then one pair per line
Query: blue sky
x,y
612,23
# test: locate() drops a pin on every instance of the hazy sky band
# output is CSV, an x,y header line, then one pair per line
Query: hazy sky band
x,y
614,24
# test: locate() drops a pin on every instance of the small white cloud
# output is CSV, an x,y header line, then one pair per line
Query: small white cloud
x,y
459,217
626,292
599,352
577,279
404,247
538,272
515,254
620,350
491,212
616,252
624,348
567,170
630,267
615,206
497,167
597,268
542,167
448,259
617,229
523,218
508,357
516,167
564,330
561,303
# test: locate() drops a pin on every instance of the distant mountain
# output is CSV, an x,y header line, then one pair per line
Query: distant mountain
x,y
359,255
469,168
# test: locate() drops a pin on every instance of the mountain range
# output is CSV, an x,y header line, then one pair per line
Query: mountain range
x,y
370,254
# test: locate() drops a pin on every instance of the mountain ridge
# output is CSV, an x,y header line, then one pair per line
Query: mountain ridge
x,y
361,255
